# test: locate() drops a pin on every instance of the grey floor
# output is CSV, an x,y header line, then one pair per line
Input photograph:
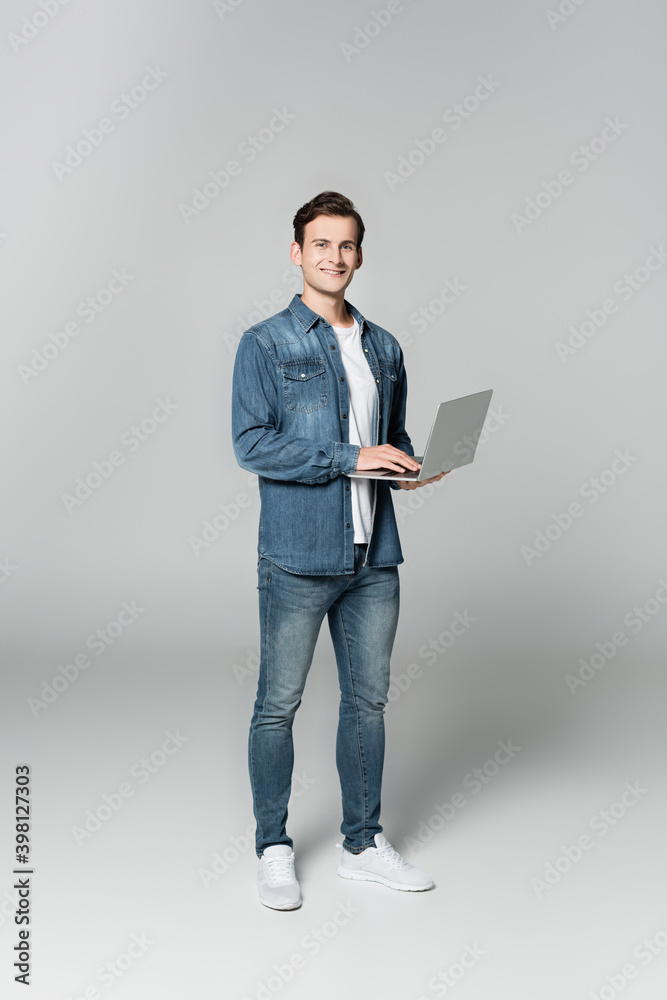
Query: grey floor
x,y
549,868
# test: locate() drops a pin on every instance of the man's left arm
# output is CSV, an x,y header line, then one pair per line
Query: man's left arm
x,y
396,432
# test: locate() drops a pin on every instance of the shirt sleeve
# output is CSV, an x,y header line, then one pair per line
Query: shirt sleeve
x,y
258,445
397,434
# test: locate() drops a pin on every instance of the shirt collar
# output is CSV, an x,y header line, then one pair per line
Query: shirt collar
x,y
307,317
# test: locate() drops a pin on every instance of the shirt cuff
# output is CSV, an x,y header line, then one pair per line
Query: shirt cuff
x,y
345,457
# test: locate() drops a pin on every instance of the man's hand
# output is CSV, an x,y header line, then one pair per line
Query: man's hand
x,y
410,484
385,456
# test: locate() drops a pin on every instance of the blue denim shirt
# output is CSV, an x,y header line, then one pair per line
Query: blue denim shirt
x,y
290,404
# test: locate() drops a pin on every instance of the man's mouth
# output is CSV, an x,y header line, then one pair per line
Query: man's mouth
x,y
329,271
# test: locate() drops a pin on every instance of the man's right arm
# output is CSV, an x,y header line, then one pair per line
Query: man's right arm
x,y
258,445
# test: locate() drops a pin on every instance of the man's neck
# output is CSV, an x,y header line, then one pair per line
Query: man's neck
x,y
331,309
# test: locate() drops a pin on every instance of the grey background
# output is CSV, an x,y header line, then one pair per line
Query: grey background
x,y
187,663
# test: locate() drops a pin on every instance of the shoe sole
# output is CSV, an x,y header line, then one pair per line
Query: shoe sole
x,y
370,877
288,906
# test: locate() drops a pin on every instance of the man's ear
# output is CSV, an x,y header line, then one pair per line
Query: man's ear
x,y
295,253
360,258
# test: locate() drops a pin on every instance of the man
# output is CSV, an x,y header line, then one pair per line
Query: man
x,y
318,392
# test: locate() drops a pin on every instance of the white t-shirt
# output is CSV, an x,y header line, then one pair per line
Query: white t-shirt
x,y
361,387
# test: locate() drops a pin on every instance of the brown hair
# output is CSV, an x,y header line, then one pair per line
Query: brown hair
x,y
326,203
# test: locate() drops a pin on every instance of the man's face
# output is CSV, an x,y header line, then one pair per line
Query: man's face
x,y
330,256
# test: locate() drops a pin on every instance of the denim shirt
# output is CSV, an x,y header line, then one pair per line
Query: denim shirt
x,y
290,404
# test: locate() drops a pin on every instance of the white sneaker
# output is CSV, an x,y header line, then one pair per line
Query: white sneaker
x,y
276,881
383,864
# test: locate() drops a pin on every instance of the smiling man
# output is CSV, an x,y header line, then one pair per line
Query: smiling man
x,y
319,392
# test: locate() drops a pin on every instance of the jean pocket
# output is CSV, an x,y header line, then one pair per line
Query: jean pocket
x,y
305,384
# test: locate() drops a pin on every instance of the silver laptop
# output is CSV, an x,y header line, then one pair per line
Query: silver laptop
x,y
452,441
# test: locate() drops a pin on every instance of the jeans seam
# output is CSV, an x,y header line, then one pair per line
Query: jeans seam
x,y
356,710
264,660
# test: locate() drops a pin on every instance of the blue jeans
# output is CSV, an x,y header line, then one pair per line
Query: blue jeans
x,y
362,608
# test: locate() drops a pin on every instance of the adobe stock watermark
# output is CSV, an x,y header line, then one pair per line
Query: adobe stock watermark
x,y
131,441
430,651
474,782
262,309
141,771
249,669
7,569
406,506
591,490
224,7
248,150
454,116
237,847
121,108
581,158
88,310
606,650
228,513
213,528
648,949
625,288
31,25
408,502
444,981
98,642
564,11
600,823
312,943
364,34
424,315
9,905
117,967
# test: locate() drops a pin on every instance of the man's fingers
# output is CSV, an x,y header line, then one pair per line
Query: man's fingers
x,y
403,457
386,457
391,466
412,484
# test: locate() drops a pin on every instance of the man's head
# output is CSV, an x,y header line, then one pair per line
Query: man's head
x,y
328,232
326,203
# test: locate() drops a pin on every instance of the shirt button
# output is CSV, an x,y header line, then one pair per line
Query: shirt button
x,y
345,416
333,347
303,375
342,379
347,487
377,379
347,525
366,350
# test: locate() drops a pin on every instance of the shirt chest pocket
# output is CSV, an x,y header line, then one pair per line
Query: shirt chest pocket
x,y
305,383
389,378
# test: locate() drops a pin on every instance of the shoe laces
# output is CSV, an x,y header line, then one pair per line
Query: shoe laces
x,y
392,857
279,870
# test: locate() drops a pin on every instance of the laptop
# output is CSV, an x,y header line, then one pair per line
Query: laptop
x,y
452,441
